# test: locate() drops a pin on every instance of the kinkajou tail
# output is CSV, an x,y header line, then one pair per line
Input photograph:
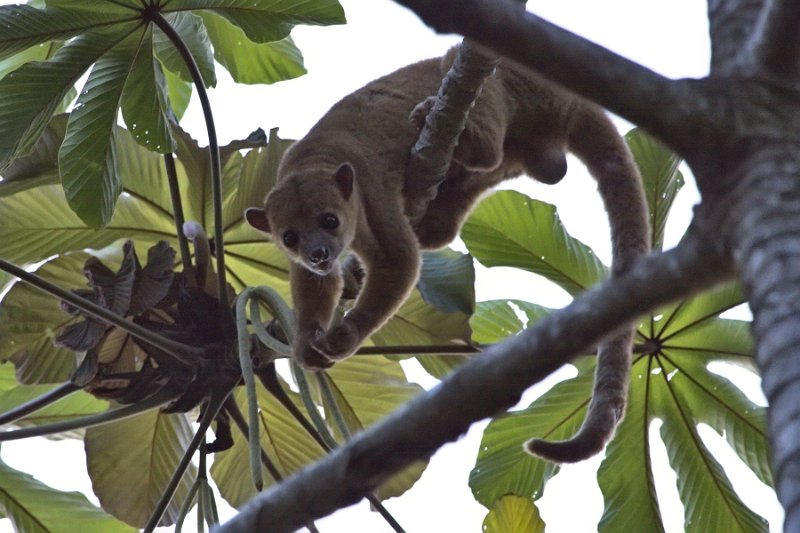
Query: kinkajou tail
x,y
595,141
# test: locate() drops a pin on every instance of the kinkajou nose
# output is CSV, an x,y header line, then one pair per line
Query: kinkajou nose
x,y
319,255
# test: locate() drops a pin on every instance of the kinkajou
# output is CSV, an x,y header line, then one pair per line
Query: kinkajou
x,y
340,190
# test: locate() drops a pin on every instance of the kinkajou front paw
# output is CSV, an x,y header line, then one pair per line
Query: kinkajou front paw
x,y
340,342
421,110
307,355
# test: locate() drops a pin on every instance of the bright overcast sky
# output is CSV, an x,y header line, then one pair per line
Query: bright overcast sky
x,y
669,37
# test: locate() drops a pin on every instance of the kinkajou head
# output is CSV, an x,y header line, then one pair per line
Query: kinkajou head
x,y
311,216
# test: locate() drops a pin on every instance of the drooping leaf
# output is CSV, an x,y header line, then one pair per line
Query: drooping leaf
x,y
447,281
510,229
513,514
179,93
87,158
268,20
33,507
143,451
40,167
144,101
250,62
39,52
30,95
661,179
367,390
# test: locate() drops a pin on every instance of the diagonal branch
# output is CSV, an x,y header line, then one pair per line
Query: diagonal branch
x,y
501,374
668,109
776,44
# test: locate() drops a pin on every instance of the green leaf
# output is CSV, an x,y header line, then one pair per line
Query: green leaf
x,y
193,33
40,167
418,323
179,93
511,229
250,62
710,503
25,26
132,460
144,101
30,319
626,475
366,390
12,394
39,52
495,320
503,467
447,281
30,94
268,20
286,443
661,179
33,507
513,514
693,311
87,159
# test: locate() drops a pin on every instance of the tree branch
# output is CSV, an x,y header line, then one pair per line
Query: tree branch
x,y
776,44
668,109
731,25
501,374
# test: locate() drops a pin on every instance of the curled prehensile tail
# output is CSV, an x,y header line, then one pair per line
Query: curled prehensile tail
x,y
620,186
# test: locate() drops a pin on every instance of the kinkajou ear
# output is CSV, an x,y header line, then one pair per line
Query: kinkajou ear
x,y
256,217
345,175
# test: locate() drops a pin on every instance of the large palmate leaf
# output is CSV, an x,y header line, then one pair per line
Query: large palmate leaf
x,y
511,229
132,460
670,381
284,440
33,507
367,390
128,55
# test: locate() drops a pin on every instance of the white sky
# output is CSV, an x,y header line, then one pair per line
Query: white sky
x,y
668,36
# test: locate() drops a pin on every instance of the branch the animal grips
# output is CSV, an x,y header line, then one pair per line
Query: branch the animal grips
x,y
342,188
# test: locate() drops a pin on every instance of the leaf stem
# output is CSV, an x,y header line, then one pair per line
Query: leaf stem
x,y
40,402
213,149
105,417
177,215
178,350
212,407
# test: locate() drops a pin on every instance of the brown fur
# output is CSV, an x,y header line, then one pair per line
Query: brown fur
x,y
352,164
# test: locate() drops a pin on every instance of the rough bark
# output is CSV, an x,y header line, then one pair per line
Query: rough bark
x,y
739,129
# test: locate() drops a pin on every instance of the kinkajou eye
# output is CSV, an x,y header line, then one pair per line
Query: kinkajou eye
x,y
290,238
329,221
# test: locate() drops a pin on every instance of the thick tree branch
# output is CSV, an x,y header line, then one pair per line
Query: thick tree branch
x,y
767,245
776,44
501,374
673,110
731,25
